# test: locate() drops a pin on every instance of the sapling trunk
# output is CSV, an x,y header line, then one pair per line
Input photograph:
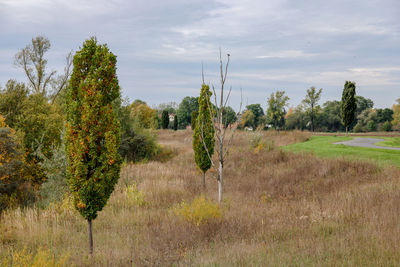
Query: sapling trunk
x,y
90,237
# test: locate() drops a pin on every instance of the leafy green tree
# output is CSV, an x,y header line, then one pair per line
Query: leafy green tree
x,y
331,116
193,119
203,135
229,116
363,104
349,104
311,101
258,114
384,114
247,119
92,130
176,122
184,112
12,99
11,167
143,116
165,119
386,126
276,109
364,121
296,118
396,115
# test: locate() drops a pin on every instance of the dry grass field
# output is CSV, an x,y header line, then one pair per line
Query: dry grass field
x,y
279,209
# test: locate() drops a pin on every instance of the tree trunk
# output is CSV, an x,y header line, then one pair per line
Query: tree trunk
x,y
220,182
347,130
90,237
204,182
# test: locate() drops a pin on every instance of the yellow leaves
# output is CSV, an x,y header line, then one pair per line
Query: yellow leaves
x,y
80,205
200,211
2,121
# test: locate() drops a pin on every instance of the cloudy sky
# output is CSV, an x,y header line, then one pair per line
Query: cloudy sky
x,y
274,45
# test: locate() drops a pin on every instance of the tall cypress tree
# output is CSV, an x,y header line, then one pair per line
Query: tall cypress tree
x,y
203,135
165,119
349,104
92,130
176,122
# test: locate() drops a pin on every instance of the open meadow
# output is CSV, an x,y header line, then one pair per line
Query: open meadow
x,y
280,208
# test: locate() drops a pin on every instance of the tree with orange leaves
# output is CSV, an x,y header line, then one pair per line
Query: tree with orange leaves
x,y
92,130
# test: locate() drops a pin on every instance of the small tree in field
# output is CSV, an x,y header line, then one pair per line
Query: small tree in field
x,y
164,119
203,135
92,130
311,102
222,139
349,104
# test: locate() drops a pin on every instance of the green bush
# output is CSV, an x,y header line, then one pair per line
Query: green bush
x,y
55,167
386,126
139,145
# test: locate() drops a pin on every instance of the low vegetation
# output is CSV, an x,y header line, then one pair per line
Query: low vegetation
x,y
323,146
280,208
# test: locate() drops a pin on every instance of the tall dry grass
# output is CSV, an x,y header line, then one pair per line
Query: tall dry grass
x,y
279,209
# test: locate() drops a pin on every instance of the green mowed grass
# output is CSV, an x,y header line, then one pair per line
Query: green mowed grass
x,y
323,146
390,141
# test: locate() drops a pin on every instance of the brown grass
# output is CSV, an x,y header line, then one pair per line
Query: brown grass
x,y
279,209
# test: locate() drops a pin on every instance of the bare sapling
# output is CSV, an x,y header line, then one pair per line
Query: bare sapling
x,y
223,137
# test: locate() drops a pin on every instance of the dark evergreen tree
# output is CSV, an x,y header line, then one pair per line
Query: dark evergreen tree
x,y
349,104
165,119
176,122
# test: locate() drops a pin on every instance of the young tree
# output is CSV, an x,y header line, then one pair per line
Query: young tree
x,y
92,130
258,112
311,102
276,108
165,119
176,122
228,116
222,140
247,119
349,105
185,109
203,135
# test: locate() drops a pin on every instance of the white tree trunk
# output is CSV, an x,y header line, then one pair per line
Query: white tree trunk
x,y
220,182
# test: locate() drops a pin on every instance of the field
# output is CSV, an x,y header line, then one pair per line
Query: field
x,y
323,146
280,209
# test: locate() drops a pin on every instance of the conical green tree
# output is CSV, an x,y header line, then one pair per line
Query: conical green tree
x,y
349,104
165,119
203,135
92,130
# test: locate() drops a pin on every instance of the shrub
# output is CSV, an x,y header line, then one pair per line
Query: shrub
x,y
257,143
139,145
55,187
386,126
135,196
200,211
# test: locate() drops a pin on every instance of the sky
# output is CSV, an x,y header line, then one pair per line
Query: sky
x,y
161,46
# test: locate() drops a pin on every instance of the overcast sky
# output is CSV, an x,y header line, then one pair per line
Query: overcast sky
x,y
274,45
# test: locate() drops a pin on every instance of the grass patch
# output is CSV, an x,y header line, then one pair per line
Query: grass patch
x,y
390,141
323,146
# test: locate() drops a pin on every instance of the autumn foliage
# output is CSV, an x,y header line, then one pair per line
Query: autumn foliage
x,y
92,129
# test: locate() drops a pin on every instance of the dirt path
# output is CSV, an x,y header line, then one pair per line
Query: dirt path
x,y
366,142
